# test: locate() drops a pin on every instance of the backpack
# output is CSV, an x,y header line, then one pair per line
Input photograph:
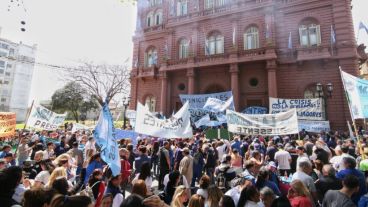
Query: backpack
x,y
221,181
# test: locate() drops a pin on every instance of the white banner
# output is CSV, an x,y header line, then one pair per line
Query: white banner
x,y
198,101
178,126
42,118
77,127
203,121
283,123
314,126
307,109
130,114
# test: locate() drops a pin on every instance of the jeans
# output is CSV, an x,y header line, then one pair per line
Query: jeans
x,y
197,173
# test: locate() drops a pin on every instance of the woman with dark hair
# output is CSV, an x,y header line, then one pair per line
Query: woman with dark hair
x,y
263,181
226,201
145,175
10,178
97,185
60,185
133,200
204,182
154,157
37,197
171,186
249,197
71,201
95,162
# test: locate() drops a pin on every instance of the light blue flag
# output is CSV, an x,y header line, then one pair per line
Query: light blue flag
x,y
105,138
363,26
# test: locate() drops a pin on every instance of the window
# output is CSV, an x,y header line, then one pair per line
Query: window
x,y
3,54
1,71
251,38
6,82
183,49
2,64
5,46
9,66
182,8
155,2
209,4
7,74
151,57
158,18
253,82
3,99
215,44
221,2
151,103
150,19
11,52
310,35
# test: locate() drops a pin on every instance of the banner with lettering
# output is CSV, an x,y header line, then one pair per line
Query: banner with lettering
x,y
177,126
307,109
42,118
283,123
314,126
198,101
356,90
255,110
7,124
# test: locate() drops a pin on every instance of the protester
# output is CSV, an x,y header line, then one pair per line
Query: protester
x,y
342,197
196,201
299,195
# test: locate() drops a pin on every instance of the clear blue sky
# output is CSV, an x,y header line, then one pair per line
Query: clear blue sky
x,y
67,31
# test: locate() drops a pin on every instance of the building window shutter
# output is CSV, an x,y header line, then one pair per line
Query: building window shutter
x,y
318,31
178,9
146,60
220,45
303,33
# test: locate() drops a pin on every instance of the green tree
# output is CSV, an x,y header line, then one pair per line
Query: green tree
x,y
74,99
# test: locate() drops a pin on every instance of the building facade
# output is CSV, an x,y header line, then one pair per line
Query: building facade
x,y
256,48
16,71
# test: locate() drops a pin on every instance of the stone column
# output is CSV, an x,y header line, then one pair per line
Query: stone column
x,y
234,72
191,83
272,80
163,101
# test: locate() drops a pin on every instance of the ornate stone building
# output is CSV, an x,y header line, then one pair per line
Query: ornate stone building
x,y
256,48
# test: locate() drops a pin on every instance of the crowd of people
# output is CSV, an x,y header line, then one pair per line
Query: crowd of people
x,y
309,170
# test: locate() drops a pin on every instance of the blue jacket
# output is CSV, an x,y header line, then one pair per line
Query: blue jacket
x,y
91,167
139,161
362,187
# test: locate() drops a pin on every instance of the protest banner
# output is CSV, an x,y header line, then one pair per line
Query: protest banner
x,y
314,126
255,110
283,123
78,126
356,91
217,105
177,126
105,137
42,118
7,124
307,109
198,101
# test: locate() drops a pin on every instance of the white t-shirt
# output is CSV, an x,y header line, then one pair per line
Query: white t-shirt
x,y
203,193
306,179
221,150
234,193
148,182
89,146
338,163
282,157
43,177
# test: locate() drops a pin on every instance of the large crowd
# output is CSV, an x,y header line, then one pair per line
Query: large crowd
x,y
305,170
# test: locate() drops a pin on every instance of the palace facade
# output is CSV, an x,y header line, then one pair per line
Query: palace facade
x,y
255,48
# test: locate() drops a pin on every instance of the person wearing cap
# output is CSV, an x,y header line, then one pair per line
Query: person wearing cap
x,y
186,165
9,159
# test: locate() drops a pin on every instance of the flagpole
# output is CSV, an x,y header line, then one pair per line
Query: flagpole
x,y
25,126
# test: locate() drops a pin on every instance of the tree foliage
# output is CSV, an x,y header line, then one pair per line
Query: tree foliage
x,y
104,82
74,99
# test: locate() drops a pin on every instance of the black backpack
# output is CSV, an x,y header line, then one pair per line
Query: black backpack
x,y
221,181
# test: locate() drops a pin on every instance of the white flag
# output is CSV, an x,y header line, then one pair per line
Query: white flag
x,y
216,105
203,121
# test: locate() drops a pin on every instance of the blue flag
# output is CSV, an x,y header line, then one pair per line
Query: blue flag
x,y
105,138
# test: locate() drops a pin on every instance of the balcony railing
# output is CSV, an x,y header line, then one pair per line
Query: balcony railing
x,y
154,28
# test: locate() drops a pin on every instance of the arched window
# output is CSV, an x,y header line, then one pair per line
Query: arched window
x,y
221,3
209,4
151,103
214,44
183,48
182,7
158,17
150,58
150,19
310,33
155,2
251,38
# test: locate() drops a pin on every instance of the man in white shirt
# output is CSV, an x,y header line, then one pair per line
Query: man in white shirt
x,y
304,169
90,146
234,192
283,160
337,161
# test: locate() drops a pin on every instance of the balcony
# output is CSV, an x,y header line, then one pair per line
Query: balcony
x,y
312,53
221,59
144,72
154,28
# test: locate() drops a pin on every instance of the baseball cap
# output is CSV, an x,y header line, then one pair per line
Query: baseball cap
x,y
272,164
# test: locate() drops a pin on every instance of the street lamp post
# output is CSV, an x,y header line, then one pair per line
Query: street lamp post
x,y
321,94
126,101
